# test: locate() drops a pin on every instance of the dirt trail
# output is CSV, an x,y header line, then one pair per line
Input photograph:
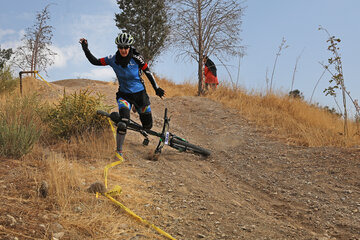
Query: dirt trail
x,y
251,187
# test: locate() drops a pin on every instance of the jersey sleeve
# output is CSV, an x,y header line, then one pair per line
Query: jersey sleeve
x,y
103,61
151,77
145,68
93,60
106,60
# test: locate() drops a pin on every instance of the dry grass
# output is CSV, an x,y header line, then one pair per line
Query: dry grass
x,y
82,164
172,89
90,146
293,120
69,175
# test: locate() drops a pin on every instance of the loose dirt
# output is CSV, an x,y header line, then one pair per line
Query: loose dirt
x,y
251,187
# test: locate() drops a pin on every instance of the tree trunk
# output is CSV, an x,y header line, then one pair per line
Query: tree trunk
x,y
36,49
345,111
200,76
273,71
32,59
200,52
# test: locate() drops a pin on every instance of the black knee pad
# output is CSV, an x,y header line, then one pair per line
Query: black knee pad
x,y
115,117
122,126
124,112
146,120
124,116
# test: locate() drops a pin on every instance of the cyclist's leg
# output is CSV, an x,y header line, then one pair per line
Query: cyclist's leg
x,y
124,111
145,116
142,103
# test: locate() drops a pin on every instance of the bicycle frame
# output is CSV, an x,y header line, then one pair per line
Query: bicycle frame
x,y
165,137
134,126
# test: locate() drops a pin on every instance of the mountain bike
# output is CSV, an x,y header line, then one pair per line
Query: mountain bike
x,y
165,137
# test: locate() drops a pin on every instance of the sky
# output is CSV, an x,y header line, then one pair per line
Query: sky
x,y
265,24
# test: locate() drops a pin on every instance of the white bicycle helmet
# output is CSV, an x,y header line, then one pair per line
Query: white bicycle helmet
x,y
124,39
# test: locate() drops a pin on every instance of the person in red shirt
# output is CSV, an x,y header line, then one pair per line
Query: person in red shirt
x,y
210,74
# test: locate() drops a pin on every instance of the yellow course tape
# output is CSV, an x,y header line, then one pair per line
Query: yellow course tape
x,y
112,129
117,190
165,234
37,72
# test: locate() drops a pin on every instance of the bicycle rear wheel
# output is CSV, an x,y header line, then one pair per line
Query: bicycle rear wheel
x,y
186,146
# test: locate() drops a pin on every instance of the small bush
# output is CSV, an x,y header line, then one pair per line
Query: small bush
x,y
76,114
296,94
19,123
7,82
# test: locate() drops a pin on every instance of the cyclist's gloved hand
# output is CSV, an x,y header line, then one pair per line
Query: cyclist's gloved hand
x,y
84,43
160,92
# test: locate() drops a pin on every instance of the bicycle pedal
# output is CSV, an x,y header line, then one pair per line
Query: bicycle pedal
x,y
146,142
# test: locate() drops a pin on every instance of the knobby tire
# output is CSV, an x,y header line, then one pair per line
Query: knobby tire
x,y
189,147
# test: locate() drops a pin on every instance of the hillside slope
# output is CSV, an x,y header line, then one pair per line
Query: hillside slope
x,y
251,187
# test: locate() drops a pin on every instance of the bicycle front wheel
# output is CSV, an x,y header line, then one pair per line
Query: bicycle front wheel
x,y
186,146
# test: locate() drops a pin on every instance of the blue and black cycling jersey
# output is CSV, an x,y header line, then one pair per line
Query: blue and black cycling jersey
x,y
128,77
127,70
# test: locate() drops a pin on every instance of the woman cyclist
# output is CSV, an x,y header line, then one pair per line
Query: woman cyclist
x,y
127,64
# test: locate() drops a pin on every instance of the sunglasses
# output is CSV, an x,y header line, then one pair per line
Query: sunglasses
x,y
123,47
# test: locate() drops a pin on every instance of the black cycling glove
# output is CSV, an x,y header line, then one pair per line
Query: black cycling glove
x,y
160,92
85,45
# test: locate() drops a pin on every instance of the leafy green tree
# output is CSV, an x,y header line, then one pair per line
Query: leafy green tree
x,y
147,22
7,82
5,55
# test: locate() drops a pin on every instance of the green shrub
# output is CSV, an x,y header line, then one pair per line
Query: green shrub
x,y
75,114
19,126
7,82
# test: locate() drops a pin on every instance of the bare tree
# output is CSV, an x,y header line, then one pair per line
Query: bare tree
x,y
295,68
205,27
312,94
35,53
281,47
238,72
337,77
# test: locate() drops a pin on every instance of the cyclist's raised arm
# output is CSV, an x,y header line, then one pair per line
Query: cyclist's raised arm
x,y
92,59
